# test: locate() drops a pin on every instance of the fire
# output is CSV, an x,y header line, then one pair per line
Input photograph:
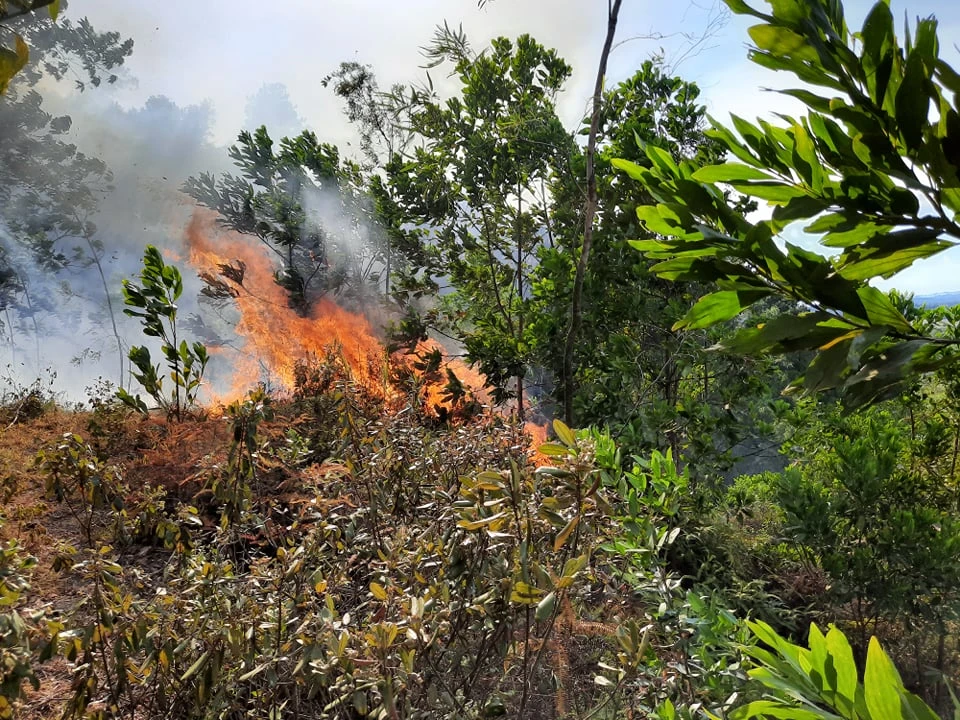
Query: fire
x,y
538,436
275,337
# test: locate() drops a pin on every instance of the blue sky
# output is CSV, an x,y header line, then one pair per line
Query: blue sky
x,y
220,52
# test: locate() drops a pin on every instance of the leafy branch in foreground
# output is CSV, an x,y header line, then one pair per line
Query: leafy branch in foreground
x,y
871,169
154,301
823,681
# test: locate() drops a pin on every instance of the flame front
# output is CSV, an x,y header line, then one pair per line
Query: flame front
x,y
275,337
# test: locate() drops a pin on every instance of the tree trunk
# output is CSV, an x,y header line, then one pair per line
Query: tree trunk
x,y
113,317
590,211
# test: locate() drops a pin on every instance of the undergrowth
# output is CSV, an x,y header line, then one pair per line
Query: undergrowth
x,y
317,557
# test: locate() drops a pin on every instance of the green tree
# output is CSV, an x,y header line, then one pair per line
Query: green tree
x,y
475,197
871,169
868,504
657,387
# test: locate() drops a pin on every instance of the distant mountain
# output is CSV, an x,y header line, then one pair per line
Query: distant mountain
x,y
938,299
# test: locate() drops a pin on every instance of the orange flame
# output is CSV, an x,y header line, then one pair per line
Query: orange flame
x,y
538,436
276,337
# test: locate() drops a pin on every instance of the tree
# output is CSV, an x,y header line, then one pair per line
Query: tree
x,y
589,212
474,197
13,61
306,204
49,191
872,169
154,301
655,386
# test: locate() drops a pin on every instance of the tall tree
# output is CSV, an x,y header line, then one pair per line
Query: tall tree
x,y
654,385
48,189
589,213
475,192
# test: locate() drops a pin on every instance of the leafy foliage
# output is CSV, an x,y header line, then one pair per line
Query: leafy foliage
x,y
871,168
154,301
49,190
474,198
823,681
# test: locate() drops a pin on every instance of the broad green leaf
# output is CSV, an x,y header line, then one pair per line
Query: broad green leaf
x,y
719,132
546,606
655,222
774,192
811,100
881,685
12,61
728,172
553,449
661,158
917,709
844,668
565,533
630,168
912,102
54,9
775,709
525,594
880,311
193,669
830,365
753,340
818,657
781,41
718,307
566,435
477,524
885,263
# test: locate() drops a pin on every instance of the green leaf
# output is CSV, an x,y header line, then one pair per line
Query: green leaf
x,y
12,61
781,41
546,606
775,709
483,522
886,260
880,311
54,9
881,685
773,191
564,534
830,366
718,307
661,158
630,168
912,102
844,668
728,172
565,434
193,669
525,594
754,340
